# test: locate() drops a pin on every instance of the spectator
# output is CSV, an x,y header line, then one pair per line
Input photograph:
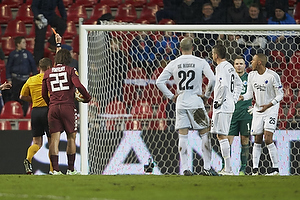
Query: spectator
x,y
44,14
20,65
169,11
74,62
207,14
167,46
281,42
188,12
255,15
105,17
143,52
237,13
270,6
219,10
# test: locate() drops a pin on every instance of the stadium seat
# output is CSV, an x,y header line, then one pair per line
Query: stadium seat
x,y
75,44
111,3
75,12
98,11
15,28
117,111
25,125
288,95
296,13
5,14
136,3
126,13
142,110
8,45
25,14
13,3
5,125
159,122
30,44
160,3
87,3
295,61
28,113
292,3
3,75
28,2
148,13
67,3
71,30
12,110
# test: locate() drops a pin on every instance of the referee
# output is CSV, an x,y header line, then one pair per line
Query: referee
x,y
32,92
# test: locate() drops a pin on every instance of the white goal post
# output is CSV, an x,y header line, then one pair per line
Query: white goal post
x,y
85,30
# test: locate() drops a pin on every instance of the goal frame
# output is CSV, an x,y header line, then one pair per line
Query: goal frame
x,y
83,59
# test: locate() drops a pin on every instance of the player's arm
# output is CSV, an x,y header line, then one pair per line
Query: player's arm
x,y
238,86
75,80
249,94
45,92
161,84
25,93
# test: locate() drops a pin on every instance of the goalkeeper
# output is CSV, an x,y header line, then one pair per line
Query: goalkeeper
x,y
242,116
190,111
44,15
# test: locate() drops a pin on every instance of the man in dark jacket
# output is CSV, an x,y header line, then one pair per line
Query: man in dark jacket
x,y
44,15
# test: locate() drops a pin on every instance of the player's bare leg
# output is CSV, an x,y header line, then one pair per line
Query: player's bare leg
x,y
53,149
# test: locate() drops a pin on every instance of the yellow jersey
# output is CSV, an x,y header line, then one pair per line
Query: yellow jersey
x,y
33,88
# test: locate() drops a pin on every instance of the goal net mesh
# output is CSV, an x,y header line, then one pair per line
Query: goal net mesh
x,y
130,121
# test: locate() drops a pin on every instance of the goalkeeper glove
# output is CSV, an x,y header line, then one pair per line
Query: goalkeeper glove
x,y
41,21
216,105
250,110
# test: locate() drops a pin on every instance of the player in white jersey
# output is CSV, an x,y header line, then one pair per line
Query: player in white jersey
x,y
227,90
187,71
267,88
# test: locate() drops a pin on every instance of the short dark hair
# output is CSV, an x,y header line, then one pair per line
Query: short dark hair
x,y
44,63
239,57
220,50
18,40
63,57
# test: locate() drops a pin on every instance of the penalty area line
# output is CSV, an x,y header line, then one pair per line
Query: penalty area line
x,y
26,196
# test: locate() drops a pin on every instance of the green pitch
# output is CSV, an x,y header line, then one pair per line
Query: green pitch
x,y
148,187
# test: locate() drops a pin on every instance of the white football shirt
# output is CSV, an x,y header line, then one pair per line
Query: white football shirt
x,y
228,87
266,87
187,71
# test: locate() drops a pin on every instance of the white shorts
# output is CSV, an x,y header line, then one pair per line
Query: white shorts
x,y
220,123
187,118
264,121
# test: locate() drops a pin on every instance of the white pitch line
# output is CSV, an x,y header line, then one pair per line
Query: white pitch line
x,y
26,196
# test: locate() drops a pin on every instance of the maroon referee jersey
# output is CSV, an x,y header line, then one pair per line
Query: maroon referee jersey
x,y
60,81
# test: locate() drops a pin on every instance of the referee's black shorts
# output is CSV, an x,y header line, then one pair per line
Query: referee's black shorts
x,y
39,121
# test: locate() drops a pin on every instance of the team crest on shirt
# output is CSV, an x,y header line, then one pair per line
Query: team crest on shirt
x,y
76,72
245,83
266,81
25,55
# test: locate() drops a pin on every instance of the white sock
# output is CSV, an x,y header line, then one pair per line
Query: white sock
x,y
256,154
225,150
182,148
273,154
206,150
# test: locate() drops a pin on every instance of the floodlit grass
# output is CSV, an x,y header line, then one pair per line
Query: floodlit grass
x,y
148,187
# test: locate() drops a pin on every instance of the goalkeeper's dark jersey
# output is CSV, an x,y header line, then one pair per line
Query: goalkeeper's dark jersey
x,y
241,107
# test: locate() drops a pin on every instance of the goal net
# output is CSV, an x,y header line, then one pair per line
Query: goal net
x,y
129,124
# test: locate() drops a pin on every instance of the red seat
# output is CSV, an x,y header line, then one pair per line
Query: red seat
x,y
28,113
136,3
98,11
71,30
142,110
25,125
148,13
25,14
75,44
5,14
126,13
12,110
288,95
30,44
295,61
292,3
75,12
87,3
111,3
3,75
160,3
296,13
8,44
117,111
292,110
277,60
28,2
5,125
13,3
159,122
15,28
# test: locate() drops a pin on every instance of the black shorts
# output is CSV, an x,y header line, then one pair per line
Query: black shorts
x,y
39,121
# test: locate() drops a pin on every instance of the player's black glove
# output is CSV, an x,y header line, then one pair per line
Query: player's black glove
x,y
216,105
